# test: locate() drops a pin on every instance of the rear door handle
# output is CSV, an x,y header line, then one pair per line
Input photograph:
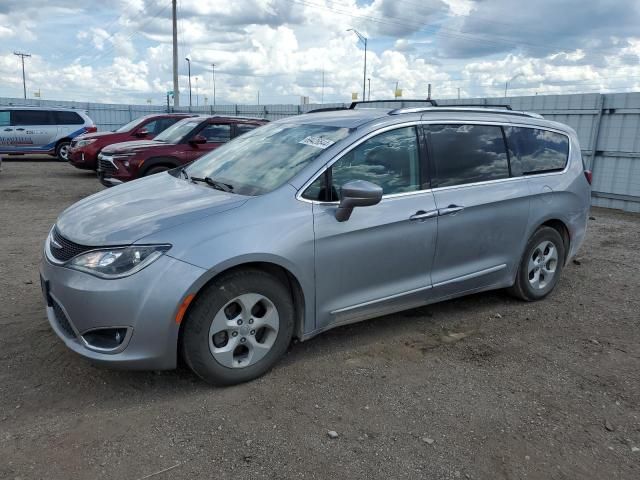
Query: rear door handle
x,y
450,210
8,129
422,215
19,129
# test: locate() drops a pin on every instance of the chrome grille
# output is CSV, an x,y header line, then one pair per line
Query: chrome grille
x,y
106,167
63,249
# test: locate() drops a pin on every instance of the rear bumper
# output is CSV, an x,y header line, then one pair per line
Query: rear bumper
x,y
145,303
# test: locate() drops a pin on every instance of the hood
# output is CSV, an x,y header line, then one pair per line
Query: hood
x,y
126,213
132,146
89,136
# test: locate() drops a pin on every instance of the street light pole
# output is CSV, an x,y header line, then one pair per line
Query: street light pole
x,y
213,78
363,39
369,95
24,82
189,64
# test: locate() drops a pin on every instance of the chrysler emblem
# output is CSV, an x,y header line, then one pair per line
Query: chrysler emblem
x,y
55,244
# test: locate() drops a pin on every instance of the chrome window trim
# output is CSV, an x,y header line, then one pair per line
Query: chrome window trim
x,y
414,123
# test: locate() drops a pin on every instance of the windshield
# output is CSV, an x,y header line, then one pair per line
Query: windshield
x,y
131,125
176,132
265,158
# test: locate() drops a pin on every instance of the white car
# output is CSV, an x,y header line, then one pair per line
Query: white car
x,y
41,130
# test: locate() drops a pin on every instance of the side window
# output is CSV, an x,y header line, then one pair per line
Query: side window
x,y
152,127
4,118
390,160
216,133
244,128
164,123
67,118
30,117
533,150
466,154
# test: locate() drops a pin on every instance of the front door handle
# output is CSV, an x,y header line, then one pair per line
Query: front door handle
x,y
8,129
450,210
19,129
422,215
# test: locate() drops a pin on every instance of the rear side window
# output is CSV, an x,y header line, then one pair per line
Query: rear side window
x,y
5,118
244,128
532,150
466,154
220,133
67,118
30,117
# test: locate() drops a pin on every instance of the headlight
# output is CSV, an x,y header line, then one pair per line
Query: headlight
x,y
117,262
84,143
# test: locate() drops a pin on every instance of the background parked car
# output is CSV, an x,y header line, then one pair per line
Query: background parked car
x,y
179,144
85,148
37,130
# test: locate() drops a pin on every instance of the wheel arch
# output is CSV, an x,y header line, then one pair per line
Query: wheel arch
x,y
279,271
563,230
151,162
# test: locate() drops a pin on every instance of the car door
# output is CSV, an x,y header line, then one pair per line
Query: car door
x,y
482,210
33,130
378,261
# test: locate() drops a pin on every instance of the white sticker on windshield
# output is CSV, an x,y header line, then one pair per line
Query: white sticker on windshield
x,y
318,142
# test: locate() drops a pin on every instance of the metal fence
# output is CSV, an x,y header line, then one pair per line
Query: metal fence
x,y
608,127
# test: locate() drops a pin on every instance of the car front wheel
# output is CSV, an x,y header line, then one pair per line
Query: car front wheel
x,y
238,327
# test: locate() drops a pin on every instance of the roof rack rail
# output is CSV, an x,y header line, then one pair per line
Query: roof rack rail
x,y
395,100
479,105
326,109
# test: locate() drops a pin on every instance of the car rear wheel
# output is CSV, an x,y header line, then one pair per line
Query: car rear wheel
x,y
62,151
238,327
541,265
154,170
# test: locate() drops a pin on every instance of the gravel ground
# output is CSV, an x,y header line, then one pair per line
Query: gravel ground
x,y
484,387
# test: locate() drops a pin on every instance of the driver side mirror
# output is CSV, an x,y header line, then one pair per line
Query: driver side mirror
x,y
357,193
197,140
143,132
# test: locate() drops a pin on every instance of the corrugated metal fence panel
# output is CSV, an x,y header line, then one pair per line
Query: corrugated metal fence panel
x,y
608,127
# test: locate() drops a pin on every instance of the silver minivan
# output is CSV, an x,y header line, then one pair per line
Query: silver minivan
x,y
313,222
41,130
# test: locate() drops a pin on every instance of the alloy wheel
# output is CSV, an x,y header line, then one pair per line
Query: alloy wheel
x,y
542,265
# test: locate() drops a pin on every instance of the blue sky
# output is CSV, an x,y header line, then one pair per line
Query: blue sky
x,y
120,50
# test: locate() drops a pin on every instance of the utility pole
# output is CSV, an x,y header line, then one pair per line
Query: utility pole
x,y
369,96
176,87
213,78
24,82
189,64
363,39
429,93
258,97
197,98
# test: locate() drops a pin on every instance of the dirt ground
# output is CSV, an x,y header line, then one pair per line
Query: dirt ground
x,y
484,387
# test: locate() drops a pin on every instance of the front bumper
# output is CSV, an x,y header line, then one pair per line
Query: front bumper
x,y
83,159
145,303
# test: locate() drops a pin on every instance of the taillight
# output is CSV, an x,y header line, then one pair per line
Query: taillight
x,y
589,176
91,129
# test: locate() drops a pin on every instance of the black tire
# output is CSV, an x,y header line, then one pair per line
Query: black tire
x,y
195,345
158,169
62,151
522,288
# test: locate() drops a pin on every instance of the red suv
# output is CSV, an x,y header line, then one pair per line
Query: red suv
x,y
85,148
179,144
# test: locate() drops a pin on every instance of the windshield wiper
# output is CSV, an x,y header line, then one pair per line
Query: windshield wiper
x,y
225,187
183,171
